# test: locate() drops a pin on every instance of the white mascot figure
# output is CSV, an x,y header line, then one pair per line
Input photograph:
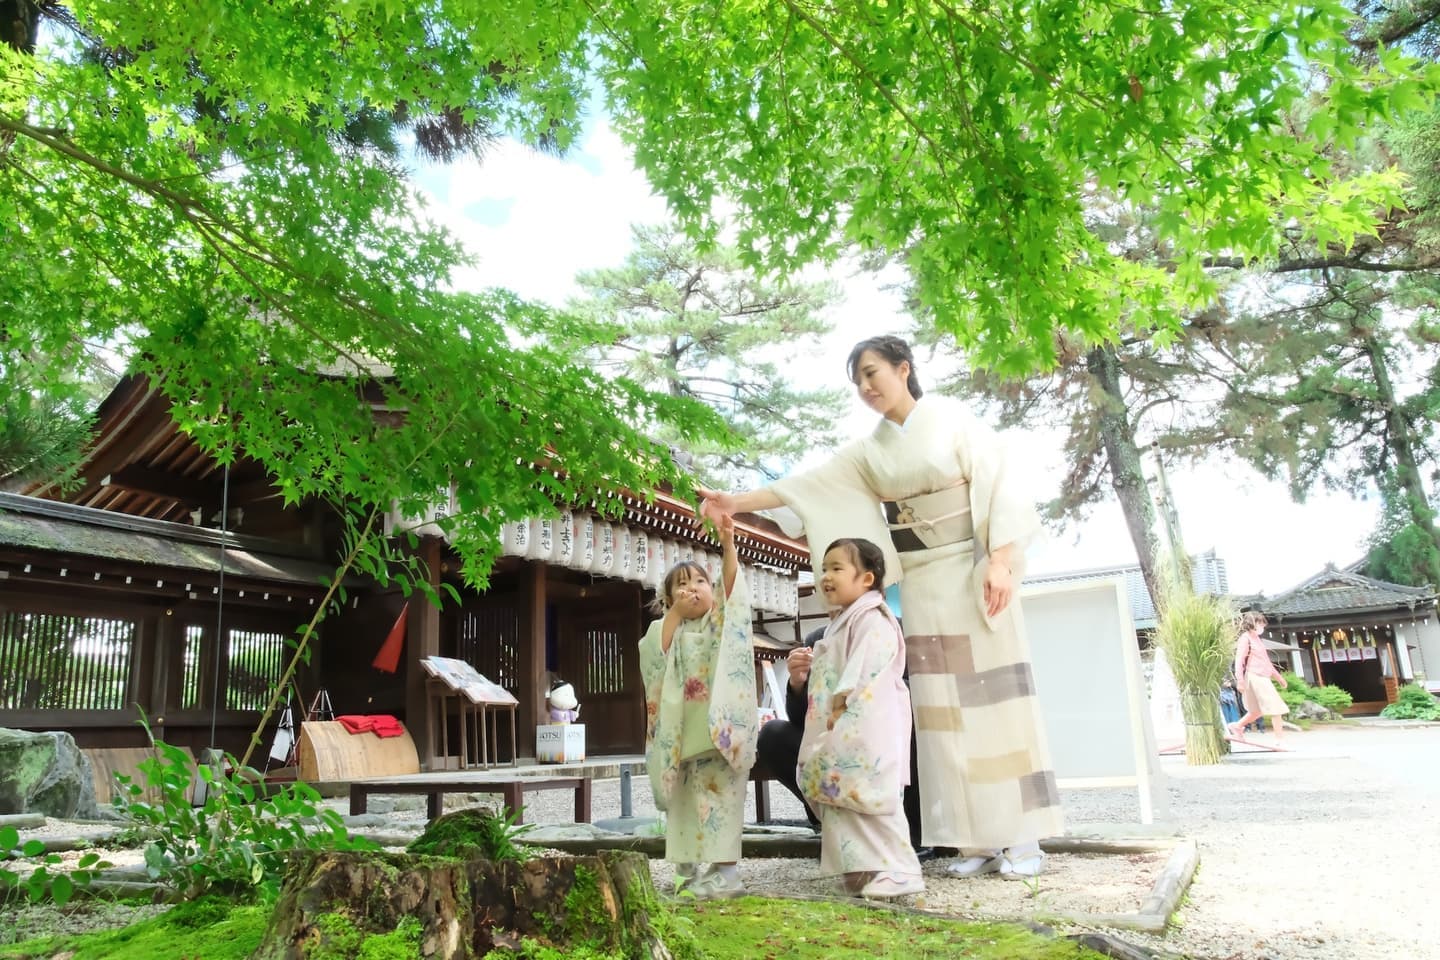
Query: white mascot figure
x,y
563,707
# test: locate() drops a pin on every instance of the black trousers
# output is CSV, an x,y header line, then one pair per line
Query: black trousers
x,y
778,750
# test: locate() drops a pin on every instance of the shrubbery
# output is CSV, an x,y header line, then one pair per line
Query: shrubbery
x,y
1414,703
1333,699
238,840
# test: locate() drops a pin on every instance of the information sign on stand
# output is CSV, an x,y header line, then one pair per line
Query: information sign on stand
x,y
1091,692
477,695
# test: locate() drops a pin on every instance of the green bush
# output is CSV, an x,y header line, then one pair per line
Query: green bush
x,y
1333,699
41,881
1414,703
240,838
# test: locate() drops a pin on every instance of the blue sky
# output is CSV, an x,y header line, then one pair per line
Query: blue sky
x,y
534,220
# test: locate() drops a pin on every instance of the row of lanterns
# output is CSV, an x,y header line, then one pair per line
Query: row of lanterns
x,y
585,542
582,541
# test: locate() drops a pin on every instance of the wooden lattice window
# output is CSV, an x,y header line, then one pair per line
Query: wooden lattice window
x,y
192,667
254,660
488,642
605,664
53,661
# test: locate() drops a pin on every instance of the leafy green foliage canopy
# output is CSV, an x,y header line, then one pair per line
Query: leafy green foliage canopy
x,y
967,136
191,192
261,268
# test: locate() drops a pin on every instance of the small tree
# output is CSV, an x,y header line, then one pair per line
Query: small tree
x,y
1197,634
695,322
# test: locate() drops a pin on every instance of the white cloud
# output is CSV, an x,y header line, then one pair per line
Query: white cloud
x,y
561,215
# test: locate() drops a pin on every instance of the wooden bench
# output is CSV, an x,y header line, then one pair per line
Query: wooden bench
x,y
760,776
512,792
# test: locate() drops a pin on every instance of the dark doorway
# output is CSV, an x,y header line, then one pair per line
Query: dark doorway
x,y
600,659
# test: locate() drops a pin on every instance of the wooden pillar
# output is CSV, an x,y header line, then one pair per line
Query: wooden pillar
x,y
531,688
422,639
152,653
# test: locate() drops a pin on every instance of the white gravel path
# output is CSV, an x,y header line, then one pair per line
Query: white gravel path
x,y
1328,852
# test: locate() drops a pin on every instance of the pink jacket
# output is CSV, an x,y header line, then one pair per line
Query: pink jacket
x,y
1251,657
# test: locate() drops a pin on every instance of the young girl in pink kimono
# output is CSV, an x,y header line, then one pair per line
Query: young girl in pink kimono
x,y
701,719
855,756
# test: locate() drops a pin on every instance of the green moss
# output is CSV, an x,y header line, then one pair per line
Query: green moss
x,y
584,909
474,834
539,949
344,941
198,929
799,930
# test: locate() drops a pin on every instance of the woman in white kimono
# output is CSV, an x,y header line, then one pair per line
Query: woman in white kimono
x,y
954,530
698,668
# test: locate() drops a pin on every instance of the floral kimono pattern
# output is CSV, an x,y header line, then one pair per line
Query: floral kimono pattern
x,y
853,773
863,761
701,724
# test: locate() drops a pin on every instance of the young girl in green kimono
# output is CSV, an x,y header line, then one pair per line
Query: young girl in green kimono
x,y
701,719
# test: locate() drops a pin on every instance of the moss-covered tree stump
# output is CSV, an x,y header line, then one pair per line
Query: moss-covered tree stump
x,y
332,903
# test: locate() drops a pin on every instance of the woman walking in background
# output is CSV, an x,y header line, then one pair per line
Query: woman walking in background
x,y
1256,676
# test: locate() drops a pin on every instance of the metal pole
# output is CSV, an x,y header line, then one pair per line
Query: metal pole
x,y
626,812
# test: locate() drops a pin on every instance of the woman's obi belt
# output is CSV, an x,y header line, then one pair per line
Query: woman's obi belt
x,y
931,519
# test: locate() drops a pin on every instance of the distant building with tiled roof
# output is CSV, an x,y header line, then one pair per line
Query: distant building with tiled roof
x,y
1364,635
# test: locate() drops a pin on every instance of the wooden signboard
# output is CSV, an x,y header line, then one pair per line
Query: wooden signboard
x,y
466,681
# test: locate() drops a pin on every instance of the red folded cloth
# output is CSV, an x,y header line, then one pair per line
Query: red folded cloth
x,y
380,724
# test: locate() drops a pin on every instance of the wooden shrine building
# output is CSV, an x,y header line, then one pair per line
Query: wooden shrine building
x,y
1363,635
126,593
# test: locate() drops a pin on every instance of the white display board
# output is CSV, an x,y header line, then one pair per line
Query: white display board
x,y
1091,690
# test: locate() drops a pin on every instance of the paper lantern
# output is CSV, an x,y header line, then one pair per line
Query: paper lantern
x,y
564,538
624,563
659,552
603,560
673,554
515,538
542,539
640,566
583,555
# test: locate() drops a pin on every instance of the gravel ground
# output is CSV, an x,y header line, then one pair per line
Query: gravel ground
x,y
1327,852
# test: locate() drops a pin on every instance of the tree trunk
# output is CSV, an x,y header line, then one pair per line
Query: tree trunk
x,y
20,21
1402,445
1127,476
465,909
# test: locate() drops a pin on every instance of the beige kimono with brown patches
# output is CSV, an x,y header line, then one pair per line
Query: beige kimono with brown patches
x,y
986,780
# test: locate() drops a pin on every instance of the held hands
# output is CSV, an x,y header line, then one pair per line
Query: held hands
x,y
999,586
837,708
715,505
725,526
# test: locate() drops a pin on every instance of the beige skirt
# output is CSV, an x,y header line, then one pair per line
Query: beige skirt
x,y
1260,696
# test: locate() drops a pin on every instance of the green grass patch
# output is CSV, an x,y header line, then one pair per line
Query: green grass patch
x,y
211,927
752,927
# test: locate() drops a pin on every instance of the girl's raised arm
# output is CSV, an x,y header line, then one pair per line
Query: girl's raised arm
x,y
731,562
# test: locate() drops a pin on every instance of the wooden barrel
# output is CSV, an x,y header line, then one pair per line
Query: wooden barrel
x,y
106,762
327,751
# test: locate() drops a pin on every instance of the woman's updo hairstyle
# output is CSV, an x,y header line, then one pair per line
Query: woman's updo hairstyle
x,y
892,349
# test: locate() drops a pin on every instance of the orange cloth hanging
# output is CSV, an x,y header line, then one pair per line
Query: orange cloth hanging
x,y
388,659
